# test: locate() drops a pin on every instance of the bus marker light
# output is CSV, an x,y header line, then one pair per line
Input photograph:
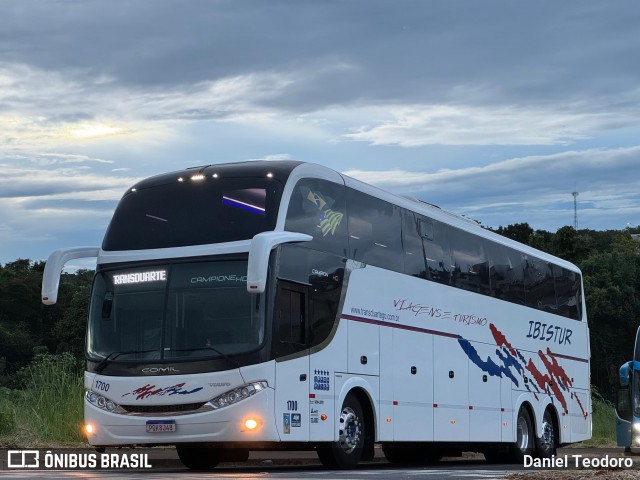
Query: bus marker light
x,y
323,417
388,420
453,422
88,428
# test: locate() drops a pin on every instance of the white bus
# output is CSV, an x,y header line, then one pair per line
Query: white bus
x,y
283,305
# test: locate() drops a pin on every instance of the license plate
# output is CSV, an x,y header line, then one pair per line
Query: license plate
x,y
160,426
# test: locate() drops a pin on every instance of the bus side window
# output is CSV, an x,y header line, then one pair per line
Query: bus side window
x,y
539,285
565,294
412,246
471,268
317,208
436,250
506,273
374,231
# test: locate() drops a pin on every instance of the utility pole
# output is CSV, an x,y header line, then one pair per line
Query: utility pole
x,y
575,210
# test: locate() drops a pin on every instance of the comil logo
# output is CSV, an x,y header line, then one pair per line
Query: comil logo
x,y
23,459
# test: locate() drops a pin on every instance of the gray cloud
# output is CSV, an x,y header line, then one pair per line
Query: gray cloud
x,y
94,95
531,189
416,52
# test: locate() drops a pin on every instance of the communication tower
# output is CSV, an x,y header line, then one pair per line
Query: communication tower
x,y
575,210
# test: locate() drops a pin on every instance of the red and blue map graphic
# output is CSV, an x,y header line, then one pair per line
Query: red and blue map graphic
x,y
513,365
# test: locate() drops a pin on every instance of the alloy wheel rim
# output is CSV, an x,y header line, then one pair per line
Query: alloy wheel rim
x,y
349,430
523,434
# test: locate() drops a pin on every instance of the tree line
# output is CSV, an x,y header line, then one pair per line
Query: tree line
x,y
609,260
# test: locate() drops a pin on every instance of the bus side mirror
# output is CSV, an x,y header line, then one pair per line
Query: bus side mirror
x,y
625,374
261,246
53,269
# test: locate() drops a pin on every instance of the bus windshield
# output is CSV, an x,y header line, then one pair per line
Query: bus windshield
x,y
174,312
193,212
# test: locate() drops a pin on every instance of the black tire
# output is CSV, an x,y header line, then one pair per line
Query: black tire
x,y
525,436
347,451
198,458
546,444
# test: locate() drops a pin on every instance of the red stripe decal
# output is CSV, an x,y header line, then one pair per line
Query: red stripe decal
x,y
402,327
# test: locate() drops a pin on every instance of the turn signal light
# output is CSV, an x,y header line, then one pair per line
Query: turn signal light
x,y
251,424
88,428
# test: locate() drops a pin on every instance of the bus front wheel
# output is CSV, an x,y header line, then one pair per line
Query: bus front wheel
x,y
198,458
347,451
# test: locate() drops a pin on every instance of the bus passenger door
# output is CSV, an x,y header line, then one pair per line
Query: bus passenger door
x,y
291,351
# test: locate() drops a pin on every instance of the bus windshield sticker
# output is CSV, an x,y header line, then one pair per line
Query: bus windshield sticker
x,y
329,219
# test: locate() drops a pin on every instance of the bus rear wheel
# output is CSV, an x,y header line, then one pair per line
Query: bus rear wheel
x,y
347,451
198,458
546,444
524,436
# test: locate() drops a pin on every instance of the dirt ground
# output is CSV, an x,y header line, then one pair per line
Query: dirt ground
x,y
602,474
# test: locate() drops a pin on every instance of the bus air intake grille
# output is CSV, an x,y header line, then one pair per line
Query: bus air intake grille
x,y
155,410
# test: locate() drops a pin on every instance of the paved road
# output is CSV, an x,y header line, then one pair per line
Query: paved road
x,y
382,471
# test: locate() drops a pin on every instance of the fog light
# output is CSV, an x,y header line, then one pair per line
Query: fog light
x,y
251,424
88,428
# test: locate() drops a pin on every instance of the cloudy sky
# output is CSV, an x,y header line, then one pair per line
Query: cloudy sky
x,y
497,110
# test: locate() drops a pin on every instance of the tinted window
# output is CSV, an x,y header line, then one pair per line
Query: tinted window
x,y
436,250
317,208
539,285
323,272
375,228
184,310
567,292
506,273
290,318
470,266
412,246
211,210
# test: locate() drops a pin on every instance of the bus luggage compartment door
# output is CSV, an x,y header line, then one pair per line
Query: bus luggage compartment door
x,y
450,390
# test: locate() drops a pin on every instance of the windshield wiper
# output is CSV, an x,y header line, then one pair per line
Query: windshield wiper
x,y
215,350
113,355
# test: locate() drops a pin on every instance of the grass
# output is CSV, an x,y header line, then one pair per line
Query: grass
x,y
603,423
48,409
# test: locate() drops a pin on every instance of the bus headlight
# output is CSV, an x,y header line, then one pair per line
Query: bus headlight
x,y
636,427
100,401
237,394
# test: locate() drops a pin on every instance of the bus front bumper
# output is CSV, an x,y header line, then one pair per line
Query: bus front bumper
x,y
227,424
